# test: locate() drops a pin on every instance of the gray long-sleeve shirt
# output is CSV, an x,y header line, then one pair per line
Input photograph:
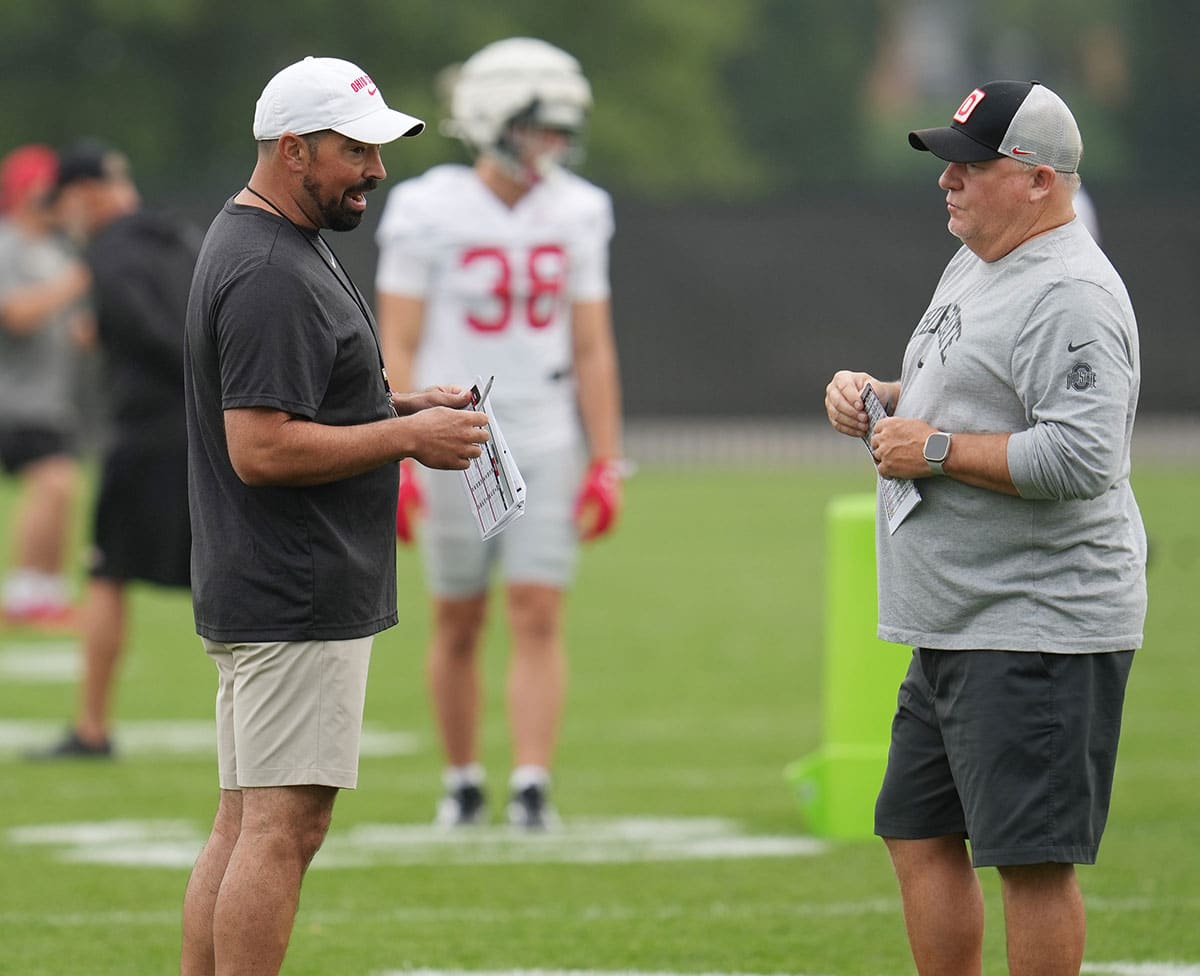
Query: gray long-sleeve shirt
x,y
1043,344
38,369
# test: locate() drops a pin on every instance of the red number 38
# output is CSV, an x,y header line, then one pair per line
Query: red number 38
x,y
545,268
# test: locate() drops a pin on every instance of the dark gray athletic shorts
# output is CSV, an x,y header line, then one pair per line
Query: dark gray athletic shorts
x,y
1013,749
22,446
141,529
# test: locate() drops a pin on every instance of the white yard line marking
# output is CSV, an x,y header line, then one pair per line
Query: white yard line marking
x,y
174,843
582,840
187,737
49,662
485,916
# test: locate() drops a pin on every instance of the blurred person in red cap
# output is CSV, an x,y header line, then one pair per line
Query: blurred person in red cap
x,y
141,262
43,319
501,268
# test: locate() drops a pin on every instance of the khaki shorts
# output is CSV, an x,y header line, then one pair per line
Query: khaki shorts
x,y
289,713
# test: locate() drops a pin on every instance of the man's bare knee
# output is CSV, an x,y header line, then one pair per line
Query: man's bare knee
x,y
291,819
458,623
1037,877
535,613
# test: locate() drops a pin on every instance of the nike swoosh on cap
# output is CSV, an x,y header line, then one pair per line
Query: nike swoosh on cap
x,y
1071,347
1018,151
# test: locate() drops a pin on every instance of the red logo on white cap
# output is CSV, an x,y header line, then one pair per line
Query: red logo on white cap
x,y
968,105
364,81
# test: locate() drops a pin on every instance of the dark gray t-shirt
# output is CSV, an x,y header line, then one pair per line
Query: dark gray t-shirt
x,y
271,324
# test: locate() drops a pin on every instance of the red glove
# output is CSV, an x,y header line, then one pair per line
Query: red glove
x,y
599,499
410,502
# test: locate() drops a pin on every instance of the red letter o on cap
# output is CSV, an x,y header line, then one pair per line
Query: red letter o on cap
x,y
968,105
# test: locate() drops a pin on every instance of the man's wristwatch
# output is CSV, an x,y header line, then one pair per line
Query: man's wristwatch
x,y
937,449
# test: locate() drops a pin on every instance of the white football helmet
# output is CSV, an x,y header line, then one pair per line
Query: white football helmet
x,y
519,81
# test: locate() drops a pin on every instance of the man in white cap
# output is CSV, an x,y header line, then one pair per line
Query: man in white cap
x,y
1019,578
293,444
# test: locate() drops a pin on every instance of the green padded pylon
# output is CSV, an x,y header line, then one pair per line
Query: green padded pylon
x,y
836,785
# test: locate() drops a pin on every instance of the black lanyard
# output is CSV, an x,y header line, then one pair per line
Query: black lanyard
x,y
330,260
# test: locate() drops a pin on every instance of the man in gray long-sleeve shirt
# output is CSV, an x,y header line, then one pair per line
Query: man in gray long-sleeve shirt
x,y
1019,579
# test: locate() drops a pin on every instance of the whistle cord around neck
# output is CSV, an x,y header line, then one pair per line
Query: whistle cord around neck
x,y
317,242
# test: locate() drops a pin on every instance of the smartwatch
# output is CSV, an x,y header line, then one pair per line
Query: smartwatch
x,y
937,449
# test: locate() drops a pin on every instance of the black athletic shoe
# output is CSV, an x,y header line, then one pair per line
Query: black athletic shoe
x,y
73,747
530,809
464,806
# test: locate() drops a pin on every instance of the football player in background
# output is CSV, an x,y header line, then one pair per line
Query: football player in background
x,y
501,268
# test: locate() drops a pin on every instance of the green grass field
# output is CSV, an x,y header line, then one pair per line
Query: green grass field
x,y
696,649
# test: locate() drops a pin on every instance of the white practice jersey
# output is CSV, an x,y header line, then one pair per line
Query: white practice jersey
x,y
498,284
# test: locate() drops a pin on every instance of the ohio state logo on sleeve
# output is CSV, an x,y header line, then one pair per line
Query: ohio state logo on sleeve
x,y
1081,377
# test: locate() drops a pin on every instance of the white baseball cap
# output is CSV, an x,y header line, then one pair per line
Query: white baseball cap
x,y
329,93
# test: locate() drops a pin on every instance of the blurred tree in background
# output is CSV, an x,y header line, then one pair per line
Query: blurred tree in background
x,y
696,99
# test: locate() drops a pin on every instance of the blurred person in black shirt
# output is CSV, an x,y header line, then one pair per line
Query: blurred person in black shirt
x,y
141,263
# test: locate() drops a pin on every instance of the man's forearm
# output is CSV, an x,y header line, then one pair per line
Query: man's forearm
x,y
980,460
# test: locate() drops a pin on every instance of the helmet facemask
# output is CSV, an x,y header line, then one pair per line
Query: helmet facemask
x,y
522,102
539,140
